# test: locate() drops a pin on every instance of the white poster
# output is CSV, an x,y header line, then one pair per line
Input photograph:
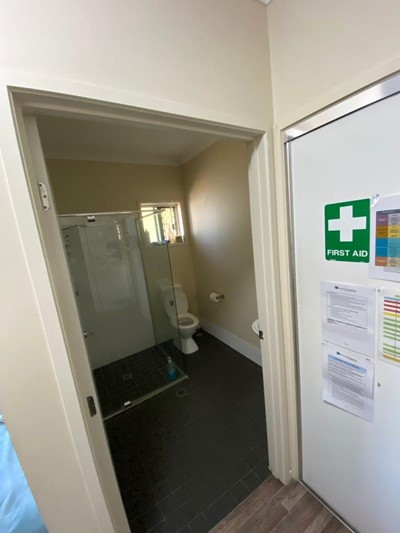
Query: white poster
x,y
385,238
348,381
348,316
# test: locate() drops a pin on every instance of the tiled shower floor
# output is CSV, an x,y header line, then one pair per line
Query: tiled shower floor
x,y
131,378
185,463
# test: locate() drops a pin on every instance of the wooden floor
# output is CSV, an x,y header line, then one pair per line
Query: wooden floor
x,y
276,508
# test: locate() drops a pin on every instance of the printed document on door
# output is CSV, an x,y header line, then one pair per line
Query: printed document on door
x,y
348,316
348,381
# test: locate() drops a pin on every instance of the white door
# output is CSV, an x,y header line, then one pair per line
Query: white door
x,y
353,464
64,296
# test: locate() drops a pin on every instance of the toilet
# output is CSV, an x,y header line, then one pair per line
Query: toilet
x,y
187,323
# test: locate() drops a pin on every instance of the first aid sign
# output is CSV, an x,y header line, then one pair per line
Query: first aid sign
x,y
347,231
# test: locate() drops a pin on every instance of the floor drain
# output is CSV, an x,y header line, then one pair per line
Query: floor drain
x,y
181,393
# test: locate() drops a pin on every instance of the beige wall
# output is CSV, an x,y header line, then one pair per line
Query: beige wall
x,y
93,186
322,51
201,58
217,195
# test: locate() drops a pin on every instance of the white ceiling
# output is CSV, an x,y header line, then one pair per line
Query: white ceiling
x,y
66,138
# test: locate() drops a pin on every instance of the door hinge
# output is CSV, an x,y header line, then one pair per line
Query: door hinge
x,y
91,405
44,197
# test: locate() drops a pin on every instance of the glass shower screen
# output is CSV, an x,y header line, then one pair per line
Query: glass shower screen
x,y
118,278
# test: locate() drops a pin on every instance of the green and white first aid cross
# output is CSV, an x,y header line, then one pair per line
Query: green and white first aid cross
x,y
347,223
347,231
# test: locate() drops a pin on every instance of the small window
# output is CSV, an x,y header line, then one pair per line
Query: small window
x,y
166,224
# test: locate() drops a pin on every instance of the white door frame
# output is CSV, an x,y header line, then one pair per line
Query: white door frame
x,y
35,96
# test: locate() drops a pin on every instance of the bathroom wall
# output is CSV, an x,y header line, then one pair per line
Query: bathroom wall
x,y
93,186
217,196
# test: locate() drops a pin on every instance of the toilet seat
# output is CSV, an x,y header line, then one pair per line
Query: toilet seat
x,y
187,320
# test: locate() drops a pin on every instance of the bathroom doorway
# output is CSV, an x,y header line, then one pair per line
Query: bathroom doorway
x,y
134,351
246,137
189,451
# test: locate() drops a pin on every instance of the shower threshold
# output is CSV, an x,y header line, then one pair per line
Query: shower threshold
x,y
132,403
133,379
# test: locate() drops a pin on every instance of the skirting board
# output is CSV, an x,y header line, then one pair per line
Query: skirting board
x,y
241,346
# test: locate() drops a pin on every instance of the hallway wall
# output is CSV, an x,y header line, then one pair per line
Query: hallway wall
x,y
323,51
207,59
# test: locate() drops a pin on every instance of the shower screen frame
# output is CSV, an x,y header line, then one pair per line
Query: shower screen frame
x,y
85,223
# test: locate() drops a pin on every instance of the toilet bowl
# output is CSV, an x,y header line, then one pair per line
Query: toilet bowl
x,y
176,307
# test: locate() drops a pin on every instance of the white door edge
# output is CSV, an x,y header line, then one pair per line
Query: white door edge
x,y
280,408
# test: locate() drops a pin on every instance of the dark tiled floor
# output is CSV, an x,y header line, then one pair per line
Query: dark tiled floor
x,y
184,463
133,377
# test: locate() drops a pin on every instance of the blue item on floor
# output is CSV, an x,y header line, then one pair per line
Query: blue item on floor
x,y
172,372
18,510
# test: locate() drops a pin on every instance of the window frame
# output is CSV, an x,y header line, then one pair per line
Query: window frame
x,y
160,206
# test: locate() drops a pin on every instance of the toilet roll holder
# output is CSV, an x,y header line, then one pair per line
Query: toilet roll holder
x,y
216,297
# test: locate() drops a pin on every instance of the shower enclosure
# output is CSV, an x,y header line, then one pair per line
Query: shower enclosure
x,y
118,277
